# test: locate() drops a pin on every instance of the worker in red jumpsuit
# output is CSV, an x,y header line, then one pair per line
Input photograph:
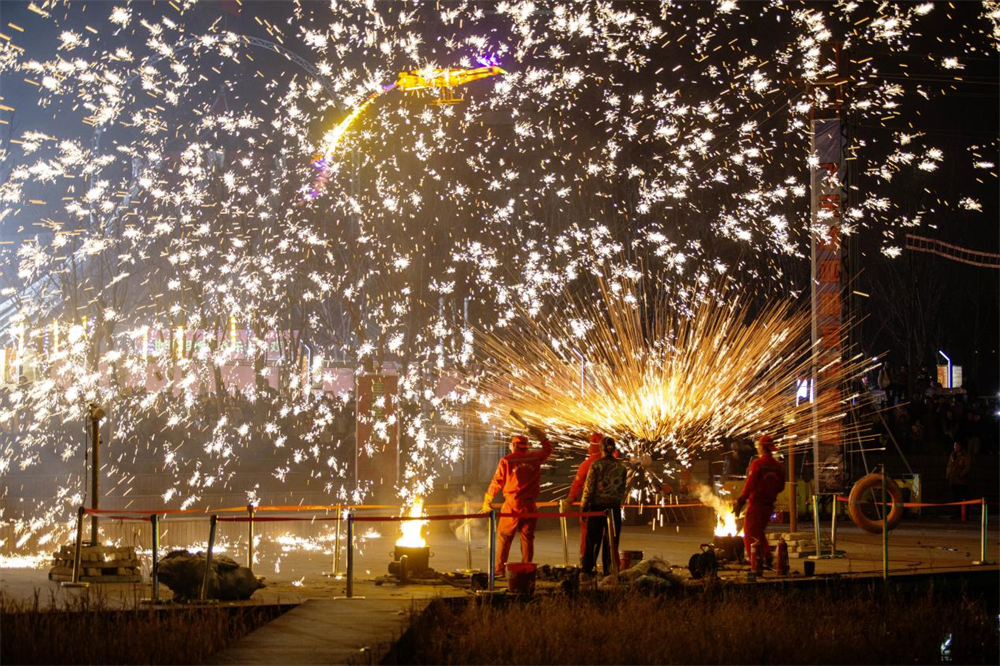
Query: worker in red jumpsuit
x,y
576,490
518,475
765,480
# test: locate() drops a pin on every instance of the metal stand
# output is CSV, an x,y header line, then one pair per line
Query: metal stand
x,y
335,568
350,555
154,597
203,592
154,523
77,564
336,542
250,512
565,534
493,549
612,541
468,540
349,591
833,531
885,531
817,534
983,538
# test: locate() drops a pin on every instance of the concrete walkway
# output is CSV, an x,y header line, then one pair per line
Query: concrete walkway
x,y
321,631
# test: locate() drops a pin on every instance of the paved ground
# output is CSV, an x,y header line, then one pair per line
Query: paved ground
x,y
293,567
328,628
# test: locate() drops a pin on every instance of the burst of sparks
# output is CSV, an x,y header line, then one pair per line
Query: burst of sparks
x,y
668,381
158,258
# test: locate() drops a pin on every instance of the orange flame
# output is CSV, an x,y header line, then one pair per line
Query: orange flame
x,y
725,518
412,537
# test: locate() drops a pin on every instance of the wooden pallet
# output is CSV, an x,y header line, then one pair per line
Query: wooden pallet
x,y
98,564
97,579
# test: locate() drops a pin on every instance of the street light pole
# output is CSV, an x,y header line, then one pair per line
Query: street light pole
x,y
96,414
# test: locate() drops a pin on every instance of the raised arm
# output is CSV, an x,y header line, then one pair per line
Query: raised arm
x,y
546,449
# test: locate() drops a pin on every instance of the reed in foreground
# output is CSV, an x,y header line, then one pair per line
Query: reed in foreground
x,y
731,627
88,631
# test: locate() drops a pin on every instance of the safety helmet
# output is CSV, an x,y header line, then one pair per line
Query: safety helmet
x,y
595,444
767,443
519,442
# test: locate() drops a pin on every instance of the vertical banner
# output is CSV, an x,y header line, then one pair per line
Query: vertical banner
x,y
375,436
827,302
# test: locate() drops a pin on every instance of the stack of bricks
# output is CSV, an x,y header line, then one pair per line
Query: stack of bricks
x,y
99,564
800,544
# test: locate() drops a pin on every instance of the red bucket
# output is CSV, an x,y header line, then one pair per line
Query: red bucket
x,y
628,559
521,577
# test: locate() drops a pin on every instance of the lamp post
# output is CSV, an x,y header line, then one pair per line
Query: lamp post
x,y
96,414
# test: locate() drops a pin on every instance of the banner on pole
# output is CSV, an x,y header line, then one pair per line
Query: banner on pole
x,y
827,302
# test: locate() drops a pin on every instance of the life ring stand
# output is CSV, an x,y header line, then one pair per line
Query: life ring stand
x,y
856,499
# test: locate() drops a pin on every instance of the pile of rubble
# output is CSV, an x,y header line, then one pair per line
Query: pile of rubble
x,y
557,574
653,575
228,580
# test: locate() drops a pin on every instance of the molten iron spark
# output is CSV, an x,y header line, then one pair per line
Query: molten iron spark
x,y
663,379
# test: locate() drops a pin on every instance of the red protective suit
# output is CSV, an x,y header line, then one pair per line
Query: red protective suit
x,y
519,476
765,480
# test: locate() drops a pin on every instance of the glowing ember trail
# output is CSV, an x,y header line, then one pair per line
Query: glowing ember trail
x,y
442,80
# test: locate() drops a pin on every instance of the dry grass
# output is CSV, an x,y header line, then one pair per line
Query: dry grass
x,y
86,630
731,627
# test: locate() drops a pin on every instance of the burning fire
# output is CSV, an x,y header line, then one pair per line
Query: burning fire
x,y
411,528
725,523
725,518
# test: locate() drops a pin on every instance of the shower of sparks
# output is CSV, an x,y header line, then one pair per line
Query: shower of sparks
x,y
166,254
666,382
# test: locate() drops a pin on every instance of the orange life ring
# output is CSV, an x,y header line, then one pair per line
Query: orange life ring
x,y
856,499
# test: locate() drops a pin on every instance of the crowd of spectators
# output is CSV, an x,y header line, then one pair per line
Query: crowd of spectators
x,y
933,424
929,420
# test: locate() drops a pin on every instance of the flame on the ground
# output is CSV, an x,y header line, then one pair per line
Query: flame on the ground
x,y
412,538
725,518
725,524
